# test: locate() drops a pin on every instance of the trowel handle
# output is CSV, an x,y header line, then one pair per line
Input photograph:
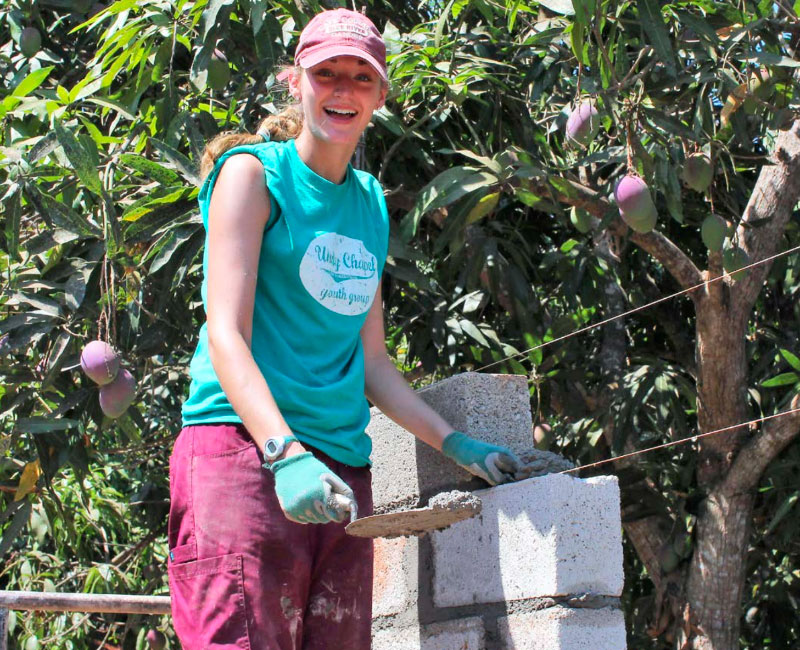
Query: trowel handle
x,y
342,503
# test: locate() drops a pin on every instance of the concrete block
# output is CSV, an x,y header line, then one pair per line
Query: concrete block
x,y
395,584
460,634
406,472
564,628
548,536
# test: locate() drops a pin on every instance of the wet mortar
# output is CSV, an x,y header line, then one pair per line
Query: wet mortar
x,y
443,510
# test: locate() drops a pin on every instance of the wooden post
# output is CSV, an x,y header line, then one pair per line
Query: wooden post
x,y
3,629
60,602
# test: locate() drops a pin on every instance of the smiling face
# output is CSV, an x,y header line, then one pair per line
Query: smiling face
x,y
338,97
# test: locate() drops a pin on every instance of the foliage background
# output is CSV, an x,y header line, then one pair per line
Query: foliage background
x,y
101,136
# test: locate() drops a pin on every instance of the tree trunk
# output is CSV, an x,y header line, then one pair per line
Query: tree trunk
x,y
721,381
717,571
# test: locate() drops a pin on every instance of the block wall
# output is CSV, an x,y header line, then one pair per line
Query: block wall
x,y
539,568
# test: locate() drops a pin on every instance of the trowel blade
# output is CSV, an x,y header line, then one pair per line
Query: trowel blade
x,y
442,511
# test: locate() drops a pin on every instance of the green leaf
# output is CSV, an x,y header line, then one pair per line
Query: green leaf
x,y
75,287
13,507
43,424
146,226
60,214
784,379
171,244
564,186
568,245
43,147
440,24
151,169
657,33
584,10
446,188
577,39
31,82
784,509
148,204
79,158
669,124
564,7
16,526
181,162
673,194
63,94
109,103
13,210
473,331
485,205
699,26
791,359
771,58
211,17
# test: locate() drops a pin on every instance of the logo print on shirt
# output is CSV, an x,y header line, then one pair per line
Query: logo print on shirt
x,y
340,273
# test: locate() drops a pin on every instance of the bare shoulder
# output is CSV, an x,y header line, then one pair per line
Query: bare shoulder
x,y
242,171
240,191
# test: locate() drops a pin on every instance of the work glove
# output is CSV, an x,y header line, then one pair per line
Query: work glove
x,y
491,463
310,493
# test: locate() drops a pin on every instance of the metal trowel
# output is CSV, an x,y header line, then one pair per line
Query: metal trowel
x,y
442,511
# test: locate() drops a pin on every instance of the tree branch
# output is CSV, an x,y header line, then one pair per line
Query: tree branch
x,y
671,257
760,451
660,247
774,196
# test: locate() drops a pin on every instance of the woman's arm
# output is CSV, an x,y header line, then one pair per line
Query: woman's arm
x,y
387,389
238,212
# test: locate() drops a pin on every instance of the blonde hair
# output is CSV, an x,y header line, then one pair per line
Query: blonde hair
x,y
285,125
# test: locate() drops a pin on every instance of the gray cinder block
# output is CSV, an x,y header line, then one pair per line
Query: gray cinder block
x,y
406,472
460,634
548,536
395,588
564,628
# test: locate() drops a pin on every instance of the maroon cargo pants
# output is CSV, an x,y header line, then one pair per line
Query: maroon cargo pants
x,y
241,575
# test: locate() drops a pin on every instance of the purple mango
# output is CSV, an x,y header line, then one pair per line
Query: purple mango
x,y
100,362
116,397
635,204
583,123
156,640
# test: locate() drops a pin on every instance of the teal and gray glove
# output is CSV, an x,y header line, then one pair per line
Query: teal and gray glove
x,y
492,463
310,493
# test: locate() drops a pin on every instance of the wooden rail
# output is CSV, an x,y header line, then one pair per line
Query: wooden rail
x,y
49,601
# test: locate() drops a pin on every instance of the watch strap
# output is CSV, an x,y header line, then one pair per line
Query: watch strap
x,y
282,442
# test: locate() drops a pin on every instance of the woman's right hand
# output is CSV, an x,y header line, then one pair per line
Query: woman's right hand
x,y
310,493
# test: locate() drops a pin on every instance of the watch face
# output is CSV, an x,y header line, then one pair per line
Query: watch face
x,y
272,448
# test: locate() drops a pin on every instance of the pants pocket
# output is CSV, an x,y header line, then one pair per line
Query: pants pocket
x,y
208,605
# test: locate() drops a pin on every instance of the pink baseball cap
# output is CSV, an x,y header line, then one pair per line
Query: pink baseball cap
x,y
340,32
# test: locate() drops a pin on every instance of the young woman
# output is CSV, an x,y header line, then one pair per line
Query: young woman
x,y
274,456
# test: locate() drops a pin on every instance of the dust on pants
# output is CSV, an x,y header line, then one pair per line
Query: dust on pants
x,y
241,575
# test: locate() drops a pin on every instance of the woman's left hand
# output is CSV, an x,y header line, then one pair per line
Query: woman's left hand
x,y
492,463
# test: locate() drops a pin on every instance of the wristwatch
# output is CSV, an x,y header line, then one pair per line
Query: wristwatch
x,y
274,448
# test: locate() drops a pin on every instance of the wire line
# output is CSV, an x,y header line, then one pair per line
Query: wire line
x,y
681,441
637,309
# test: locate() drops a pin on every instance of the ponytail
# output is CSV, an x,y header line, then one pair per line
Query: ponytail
x,y
285,125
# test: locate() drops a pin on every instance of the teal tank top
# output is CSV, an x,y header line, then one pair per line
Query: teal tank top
x,y
322,256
